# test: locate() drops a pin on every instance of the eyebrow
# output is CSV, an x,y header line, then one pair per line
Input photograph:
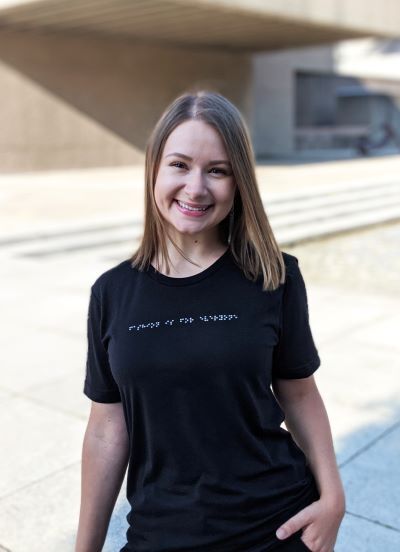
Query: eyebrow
x,y
215,162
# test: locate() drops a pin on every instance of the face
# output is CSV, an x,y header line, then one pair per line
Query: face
x,y
194,174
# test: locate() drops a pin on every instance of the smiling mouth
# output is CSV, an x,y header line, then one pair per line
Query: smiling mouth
x,y
190,208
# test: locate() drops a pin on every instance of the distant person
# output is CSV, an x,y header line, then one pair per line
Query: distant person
x,y
365,144
199,345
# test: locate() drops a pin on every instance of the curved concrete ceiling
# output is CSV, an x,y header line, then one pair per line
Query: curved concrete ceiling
x,y
245,25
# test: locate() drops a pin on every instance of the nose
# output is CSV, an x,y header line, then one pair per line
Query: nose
x,y
196,184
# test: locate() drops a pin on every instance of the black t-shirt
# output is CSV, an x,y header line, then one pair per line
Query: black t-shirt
x,y
191,359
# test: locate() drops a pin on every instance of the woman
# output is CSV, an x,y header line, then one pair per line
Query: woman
x,y
199,345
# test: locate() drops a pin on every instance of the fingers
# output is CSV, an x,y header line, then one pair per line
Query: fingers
x,y
293,524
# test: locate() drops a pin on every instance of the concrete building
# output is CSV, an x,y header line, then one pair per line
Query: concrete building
x,y
82,82
325,100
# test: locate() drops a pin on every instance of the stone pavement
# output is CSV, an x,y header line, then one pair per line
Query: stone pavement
x,y
353,288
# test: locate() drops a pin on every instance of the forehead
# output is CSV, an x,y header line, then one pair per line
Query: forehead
x,y
194,136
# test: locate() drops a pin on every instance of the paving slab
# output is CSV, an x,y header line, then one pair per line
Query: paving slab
x,y
383,334
36,355
332,317
359,535
4,394
38,440
352,372
366,425
366,260
64,393
44,516
372,480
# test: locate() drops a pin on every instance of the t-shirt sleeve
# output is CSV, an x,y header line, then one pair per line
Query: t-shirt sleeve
x,y
100,385
295,355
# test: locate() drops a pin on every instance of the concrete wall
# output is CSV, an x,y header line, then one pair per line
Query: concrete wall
x,y
72,101
274,113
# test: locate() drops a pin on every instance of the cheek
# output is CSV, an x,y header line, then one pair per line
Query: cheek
x,y
225,194
163,189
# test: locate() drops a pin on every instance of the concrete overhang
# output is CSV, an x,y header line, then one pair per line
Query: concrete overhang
x,y
245,25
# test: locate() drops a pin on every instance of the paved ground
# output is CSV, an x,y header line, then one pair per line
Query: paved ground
x,y
353,287
368,259
354,283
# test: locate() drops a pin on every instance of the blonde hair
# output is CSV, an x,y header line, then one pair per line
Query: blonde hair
x,y
253,245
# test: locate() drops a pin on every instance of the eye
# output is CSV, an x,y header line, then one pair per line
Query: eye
x,y
220,170
181,165
177,163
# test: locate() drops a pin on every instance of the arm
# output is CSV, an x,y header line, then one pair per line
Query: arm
x,y
105,454
307,420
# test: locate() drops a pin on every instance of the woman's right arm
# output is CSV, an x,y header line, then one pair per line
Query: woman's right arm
x,y
105,455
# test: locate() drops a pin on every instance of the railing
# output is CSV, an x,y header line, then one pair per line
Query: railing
x,y
330,137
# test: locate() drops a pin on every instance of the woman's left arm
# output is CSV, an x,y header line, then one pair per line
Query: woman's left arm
x,y
307,421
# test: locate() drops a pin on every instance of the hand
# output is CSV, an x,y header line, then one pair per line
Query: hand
x,y
321,521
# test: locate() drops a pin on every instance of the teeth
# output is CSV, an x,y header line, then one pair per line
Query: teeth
x,y
185,206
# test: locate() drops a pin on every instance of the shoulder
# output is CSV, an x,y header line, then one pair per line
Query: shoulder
x,y
291,263
112,278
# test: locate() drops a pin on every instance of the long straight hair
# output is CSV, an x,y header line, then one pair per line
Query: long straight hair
x,y
253,245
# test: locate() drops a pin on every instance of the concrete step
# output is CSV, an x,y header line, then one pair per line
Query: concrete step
x,y
53,245
351,197
324,228
340,209
300,216
332,189
55,229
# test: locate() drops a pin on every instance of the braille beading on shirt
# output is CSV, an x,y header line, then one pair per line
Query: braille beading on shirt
x,y
185,320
